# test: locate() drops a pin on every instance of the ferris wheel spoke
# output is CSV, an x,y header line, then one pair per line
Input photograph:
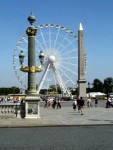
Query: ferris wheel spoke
x,y
68,58
43,39
62,41
16,68
39,45
67,81
68,63
68,77
68,69
56,38
23,76
69,52
50,38
21,48
67,45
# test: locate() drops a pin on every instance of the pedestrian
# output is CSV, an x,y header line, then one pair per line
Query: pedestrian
x,y
74,104
96,102
89,104
45,99
54,103
81,103
48,103
22,109
58,104
109,103
78,104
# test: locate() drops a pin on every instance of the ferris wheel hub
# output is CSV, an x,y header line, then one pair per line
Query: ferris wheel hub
x,y
51,59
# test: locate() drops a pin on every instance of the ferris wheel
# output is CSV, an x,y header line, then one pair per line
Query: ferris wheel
x,y
60,47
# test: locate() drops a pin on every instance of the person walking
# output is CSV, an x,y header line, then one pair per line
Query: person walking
x,y
22,109
89,103
48,103
96,102
45,103
58,104
78,104
45,99
54,103
81,103
74,104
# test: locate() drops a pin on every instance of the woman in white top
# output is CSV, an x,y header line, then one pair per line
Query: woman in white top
x,y
74,104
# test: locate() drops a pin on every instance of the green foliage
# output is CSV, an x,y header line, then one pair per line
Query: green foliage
x,y
12,90
105,87
108,85
97,86
55,88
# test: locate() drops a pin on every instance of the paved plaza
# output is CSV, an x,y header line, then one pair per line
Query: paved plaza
x,y
59,129
61,117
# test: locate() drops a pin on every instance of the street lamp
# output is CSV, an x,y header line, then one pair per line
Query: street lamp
x,y
21,57
31,99
41,57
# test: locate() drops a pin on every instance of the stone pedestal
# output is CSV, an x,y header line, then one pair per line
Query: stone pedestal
x,y
32,108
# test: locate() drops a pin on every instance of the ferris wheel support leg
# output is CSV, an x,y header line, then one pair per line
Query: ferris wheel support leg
x,y
61,82
43,78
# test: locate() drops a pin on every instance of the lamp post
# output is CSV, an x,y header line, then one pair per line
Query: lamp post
x,y
89,88
32,99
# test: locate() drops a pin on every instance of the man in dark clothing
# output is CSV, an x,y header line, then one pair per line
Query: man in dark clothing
x,y
54,103
96,102
81,103
78,104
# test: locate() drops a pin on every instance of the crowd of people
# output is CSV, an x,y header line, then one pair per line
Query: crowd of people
x,y
5,100
80,103
55,103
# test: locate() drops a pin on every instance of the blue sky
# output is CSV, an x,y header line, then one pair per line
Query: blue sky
x,y
96,17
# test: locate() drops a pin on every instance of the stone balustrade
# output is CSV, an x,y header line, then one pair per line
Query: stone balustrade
x,y
10,108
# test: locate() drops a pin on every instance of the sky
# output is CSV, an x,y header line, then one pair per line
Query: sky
x,y
96,18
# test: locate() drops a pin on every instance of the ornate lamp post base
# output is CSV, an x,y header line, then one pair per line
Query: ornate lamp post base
x,y
32,106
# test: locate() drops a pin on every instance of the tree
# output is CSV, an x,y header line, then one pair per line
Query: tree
x,y
12,90
108,85
97,86
55,88
73,90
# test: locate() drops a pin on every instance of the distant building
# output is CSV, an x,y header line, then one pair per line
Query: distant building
x,y
95,94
